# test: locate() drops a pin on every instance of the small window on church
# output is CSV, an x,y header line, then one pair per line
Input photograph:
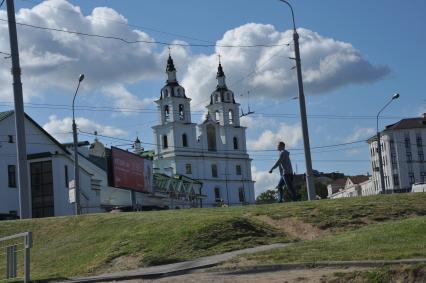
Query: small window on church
x,y
166,113
214,170
235,139
231,116
216,98
217,116
165,143
227,97
211,138
165,93
184,140
217,194
181,112
238,170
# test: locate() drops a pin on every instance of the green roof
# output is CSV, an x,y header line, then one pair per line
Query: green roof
x,y
5,114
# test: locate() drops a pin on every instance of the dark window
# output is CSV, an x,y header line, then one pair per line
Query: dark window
x,y
10,138
411,178
66,176
166,113
42,189
214,170
423,177
235,140
395,179
419,141
241,195
184,140
217,194
238,169
165,144
11,173
421,156
407,142
181,112
409,157
211,138
188,168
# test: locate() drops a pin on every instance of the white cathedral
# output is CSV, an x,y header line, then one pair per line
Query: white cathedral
x,y
216,154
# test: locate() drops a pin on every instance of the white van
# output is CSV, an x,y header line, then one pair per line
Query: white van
x,y
418,188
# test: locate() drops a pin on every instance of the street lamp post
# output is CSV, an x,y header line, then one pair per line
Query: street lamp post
x,y
379,146
76,169
309,175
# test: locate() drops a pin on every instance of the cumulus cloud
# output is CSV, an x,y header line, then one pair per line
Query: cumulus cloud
x,y
268,139
53,60
264,180
327,64
61,128
125,101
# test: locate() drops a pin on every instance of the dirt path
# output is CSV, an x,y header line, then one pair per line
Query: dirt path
x,y
300,275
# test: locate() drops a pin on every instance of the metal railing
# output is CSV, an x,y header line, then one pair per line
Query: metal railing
x,y
10,249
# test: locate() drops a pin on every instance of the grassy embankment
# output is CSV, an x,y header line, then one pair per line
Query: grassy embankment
x,y
90,244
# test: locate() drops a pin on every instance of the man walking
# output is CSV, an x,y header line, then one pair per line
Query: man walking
x,y
286,172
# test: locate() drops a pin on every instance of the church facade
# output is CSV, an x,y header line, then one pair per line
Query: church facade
x,y
213,152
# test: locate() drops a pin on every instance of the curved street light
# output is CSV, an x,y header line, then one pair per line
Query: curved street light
x,y
309,175
379,145
76,167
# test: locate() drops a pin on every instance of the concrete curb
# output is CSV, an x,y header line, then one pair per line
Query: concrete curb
x,y
174,268
319,264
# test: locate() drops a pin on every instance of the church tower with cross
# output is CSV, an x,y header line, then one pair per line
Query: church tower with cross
x,y
213,152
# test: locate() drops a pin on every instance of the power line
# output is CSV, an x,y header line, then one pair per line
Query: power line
x,y
143,41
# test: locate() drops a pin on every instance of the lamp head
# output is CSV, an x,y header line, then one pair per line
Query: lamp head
x,y
81,77
395,96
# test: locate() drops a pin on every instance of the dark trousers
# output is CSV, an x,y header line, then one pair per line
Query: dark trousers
x,y
287,180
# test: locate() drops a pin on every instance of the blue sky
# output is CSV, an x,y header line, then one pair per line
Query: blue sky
x,y
355,55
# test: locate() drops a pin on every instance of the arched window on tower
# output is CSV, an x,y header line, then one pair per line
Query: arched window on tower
x,y
184,140
217,116
181,112
231,117
166,113
235,140
211,138
165,143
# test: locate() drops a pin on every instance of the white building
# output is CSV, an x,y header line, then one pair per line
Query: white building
x,y
217,156
403,148
354,186
50,168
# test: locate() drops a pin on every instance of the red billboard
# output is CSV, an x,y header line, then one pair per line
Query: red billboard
x,y
127,170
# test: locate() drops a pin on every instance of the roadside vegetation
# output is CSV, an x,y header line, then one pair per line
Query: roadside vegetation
x,y
100,243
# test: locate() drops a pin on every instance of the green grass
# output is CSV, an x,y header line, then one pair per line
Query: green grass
x,y
399,239
75,246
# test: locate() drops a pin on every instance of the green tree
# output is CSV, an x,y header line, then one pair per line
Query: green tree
x,y
268,196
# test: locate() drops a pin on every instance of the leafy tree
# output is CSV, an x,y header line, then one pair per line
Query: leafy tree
x,y
268,196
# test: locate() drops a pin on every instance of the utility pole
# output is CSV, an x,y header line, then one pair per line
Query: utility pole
x,y
309,175
24,193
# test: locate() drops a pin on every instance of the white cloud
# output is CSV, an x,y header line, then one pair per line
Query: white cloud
x,y
125,101
53,60
61,129
360,134
290,134
264,180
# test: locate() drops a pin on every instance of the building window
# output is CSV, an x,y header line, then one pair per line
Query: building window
x,y
409,157
238,169
214,170
66,176
181,112
211,138
217,194
421,156
11,173
419,141
165,143
411,178
10,138
241,195
407,142
423,177
166,113
395,180
235,140
184,140
217,116
188,168
231,117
